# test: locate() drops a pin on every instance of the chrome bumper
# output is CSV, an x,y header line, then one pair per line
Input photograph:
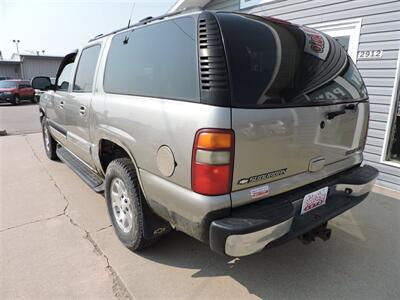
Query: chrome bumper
x,y
341,197
246,244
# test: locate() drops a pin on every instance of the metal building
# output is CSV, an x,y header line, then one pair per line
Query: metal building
x,y
28,66
370,31
9,68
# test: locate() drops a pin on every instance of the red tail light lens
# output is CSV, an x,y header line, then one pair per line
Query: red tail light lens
x,y
212,161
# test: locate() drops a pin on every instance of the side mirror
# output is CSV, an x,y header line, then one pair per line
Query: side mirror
x,y
42,83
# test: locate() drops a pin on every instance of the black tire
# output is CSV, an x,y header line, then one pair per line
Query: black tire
x,y
50,146
35,99
16,100
123,169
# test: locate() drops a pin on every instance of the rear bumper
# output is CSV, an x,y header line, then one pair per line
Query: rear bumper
x,y
277,219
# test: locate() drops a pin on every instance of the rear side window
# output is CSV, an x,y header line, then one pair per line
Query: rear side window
x,y
86,68
158,60
281,65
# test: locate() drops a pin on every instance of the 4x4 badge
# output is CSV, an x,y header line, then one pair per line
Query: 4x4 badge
x,y
262,176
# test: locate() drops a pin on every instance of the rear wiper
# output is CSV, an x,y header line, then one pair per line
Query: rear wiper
x,y
331,115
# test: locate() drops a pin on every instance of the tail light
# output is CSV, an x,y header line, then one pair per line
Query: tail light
x,y
212,161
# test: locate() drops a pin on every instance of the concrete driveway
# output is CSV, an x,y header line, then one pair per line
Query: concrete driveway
x,y
56,242
19,119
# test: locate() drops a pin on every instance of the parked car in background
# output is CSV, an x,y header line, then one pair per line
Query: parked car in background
x,y
4,78
14,91
242,131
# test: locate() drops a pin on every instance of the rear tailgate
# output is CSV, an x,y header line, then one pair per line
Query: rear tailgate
x,y
272,144
299,105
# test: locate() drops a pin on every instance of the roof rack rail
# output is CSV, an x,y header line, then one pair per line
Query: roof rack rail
x,y
148,20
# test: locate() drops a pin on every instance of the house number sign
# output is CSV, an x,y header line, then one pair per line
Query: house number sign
x,y
370,54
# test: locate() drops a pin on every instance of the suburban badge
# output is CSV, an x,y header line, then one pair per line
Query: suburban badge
x,y
262,176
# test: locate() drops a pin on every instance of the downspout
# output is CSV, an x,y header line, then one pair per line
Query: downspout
x,y
21,67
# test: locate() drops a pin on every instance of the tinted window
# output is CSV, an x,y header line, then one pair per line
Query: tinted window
x,y
158,60
65,77
280,64
24,84
86,69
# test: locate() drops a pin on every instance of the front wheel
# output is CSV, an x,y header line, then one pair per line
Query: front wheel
x,y
50,145
124,201
17,100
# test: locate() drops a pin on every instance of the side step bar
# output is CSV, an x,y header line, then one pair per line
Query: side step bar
x,y
91,178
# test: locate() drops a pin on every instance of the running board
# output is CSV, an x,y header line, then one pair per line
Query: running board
x,y
84,172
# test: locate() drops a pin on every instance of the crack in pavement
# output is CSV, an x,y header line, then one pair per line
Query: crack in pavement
x,y
103,228
119,288
31,222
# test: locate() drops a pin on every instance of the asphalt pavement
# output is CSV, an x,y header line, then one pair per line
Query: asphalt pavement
x,y
56,241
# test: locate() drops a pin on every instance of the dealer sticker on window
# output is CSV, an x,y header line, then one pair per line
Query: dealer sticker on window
x,y
314,200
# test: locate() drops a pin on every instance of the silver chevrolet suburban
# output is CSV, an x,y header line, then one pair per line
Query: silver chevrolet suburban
x,y
242,131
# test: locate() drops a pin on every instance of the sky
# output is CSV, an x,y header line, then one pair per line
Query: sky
x,y
60,26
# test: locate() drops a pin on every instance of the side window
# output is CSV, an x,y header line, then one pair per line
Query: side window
x,y
86,68
65,77
158,60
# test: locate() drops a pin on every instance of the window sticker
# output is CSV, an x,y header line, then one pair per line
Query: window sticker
x,y
316,43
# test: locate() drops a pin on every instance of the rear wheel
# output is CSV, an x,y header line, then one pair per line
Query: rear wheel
x,y
50,144
124,201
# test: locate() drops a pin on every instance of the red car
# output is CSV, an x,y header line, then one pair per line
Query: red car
x,y
15,90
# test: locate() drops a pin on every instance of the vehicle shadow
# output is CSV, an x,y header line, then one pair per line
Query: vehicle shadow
x,y
334,269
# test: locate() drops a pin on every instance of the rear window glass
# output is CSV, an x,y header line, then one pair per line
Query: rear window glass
x,y
280,64
158,60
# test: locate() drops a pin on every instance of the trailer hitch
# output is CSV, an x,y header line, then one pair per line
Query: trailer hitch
x,y
321,232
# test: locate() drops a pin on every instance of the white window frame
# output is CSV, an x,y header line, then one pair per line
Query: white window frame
x,y
350,27
390,121
251,3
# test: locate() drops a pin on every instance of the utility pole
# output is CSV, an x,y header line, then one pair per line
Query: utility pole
x,y
16,42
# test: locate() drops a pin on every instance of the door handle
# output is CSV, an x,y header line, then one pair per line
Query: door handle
x,y
61,104
331,115
82,110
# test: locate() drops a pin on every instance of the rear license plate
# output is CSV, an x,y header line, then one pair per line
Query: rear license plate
x,y
314,200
